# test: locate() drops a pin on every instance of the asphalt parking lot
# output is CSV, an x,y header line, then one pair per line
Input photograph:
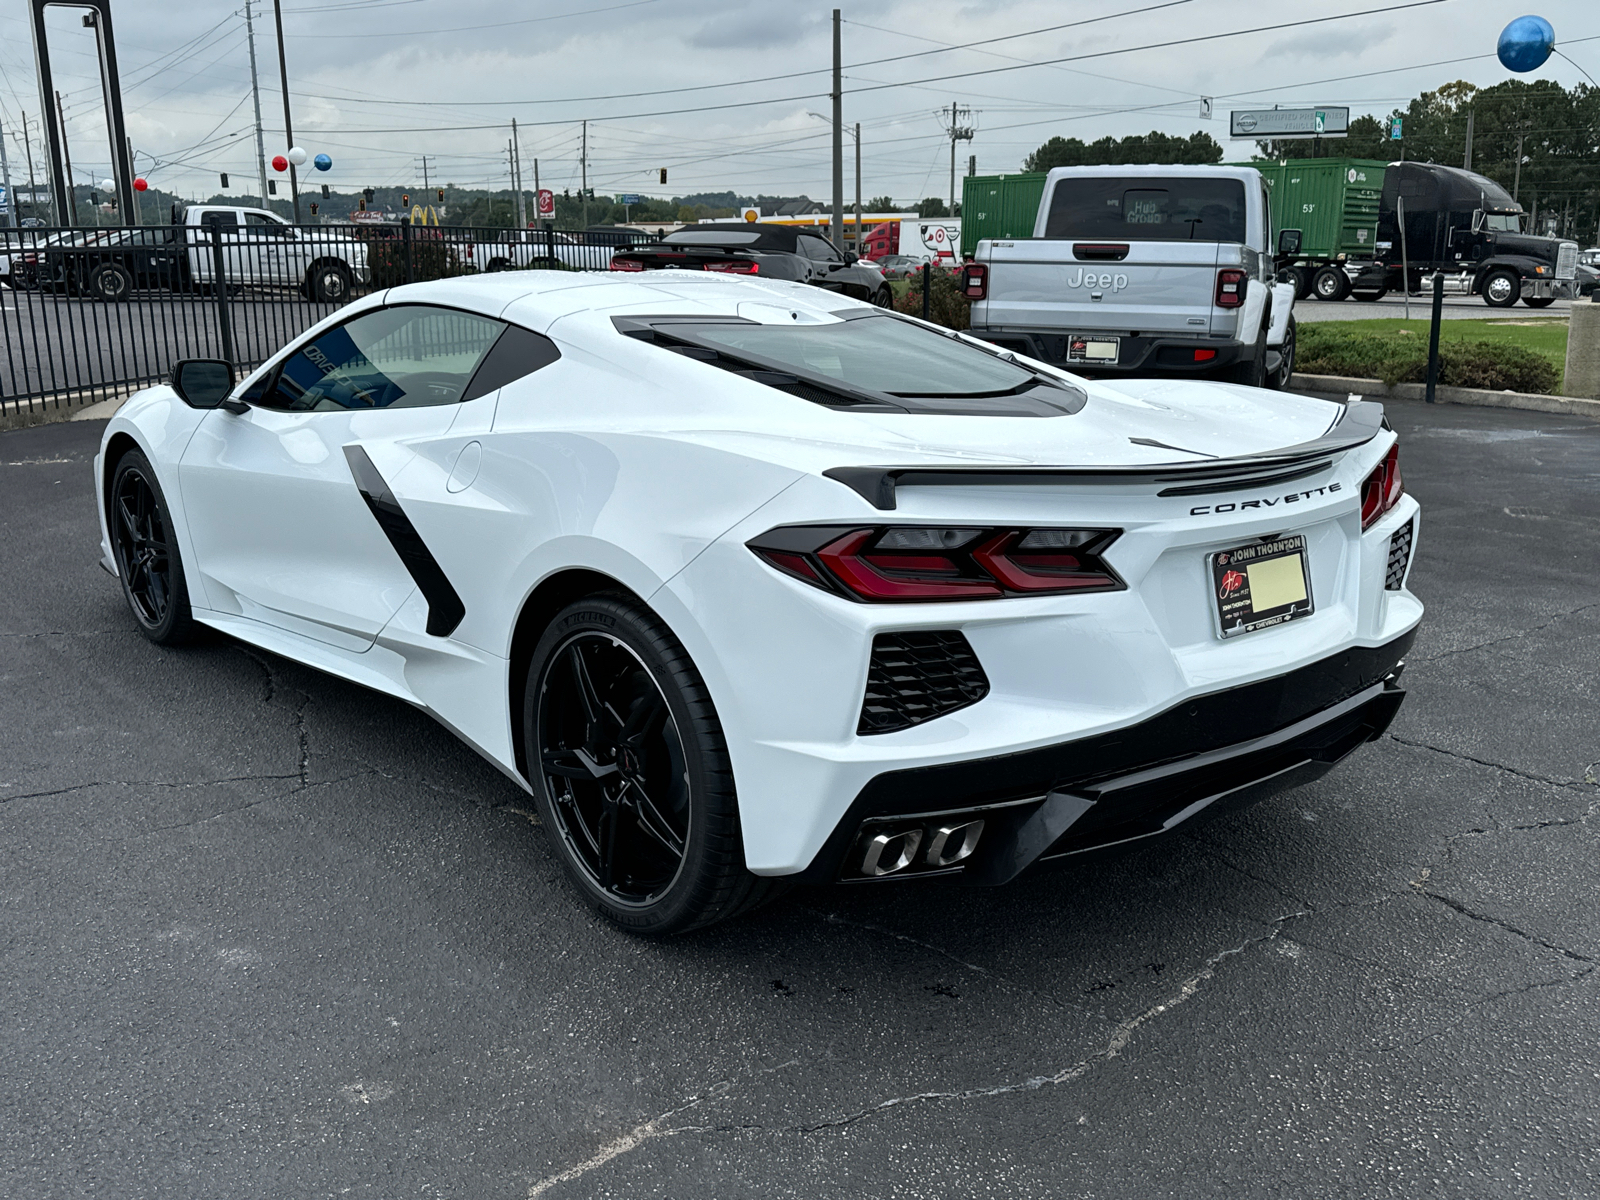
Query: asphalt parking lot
x,y
1454,308
263,933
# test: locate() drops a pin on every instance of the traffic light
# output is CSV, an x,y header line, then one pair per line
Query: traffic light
x,y
367,192
272,187
224,181
405,199
313,208
361,206
441,195
324,191
663,177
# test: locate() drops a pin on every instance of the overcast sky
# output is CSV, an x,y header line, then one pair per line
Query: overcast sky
x,y
378,84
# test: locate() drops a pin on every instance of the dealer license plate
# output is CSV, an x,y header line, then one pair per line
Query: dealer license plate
x,y
1261,585
1093,349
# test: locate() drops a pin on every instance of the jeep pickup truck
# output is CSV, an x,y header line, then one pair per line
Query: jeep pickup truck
x,y
1144,270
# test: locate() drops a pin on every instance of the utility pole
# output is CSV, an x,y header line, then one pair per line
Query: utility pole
x,y
958,133
138,205
838,137
516,176
424,172
5,176
1466,162
288,125
1516,186
583,162
511,174
33,188
858,190
255,94
66,155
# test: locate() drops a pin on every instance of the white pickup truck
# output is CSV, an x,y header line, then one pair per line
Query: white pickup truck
x,y
260,248
1144,270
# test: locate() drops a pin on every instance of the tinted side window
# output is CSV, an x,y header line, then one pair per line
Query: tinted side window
x,y
1171,208
818,250
516,353
407,356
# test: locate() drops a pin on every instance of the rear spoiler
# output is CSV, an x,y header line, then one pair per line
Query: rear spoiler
x,y
1358,422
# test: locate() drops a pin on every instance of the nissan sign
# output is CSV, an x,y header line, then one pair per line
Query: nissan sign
x,y
1325,121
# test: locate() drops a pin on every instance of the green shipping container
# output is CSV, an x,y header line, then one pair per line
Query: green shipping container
x,y
1332,201
998,206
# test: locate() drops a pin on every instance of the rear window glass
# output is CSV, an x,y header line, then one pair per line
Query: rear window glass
x,y
694,237
1159,208
882,354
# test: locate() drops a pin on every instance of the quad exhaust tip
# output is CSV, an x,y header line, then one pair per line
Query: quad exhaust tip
x,y
915,849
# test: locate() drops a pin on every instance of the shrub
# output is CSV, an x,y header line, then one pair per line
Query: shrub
x,y
946,305
430,259
1402,357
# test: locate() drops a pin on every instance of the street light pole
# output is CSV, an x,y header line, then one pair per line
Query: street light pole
x,y
858,189
838,137
255,94
288,125
5,175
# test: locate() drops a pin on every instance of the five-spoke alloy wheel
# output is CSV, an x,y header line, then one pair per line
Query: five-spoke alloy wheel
x,y
631,771
147,556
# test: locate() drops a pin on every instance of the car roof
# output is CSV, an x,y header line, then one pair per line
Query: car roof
x,y
537,299
768,237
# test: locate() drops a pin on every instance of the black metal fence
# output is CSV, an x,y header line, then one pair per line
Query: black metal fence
x,y
86,314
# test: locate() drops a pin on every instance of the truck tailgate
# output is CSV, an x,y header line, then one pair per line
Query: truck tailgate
x,y
1148,287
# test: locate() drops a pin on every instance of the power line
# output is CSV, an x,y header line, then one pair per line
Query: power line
x,y
372,33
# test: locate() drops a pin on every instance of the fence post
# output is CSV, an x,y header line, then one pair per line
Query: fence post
x,y
927,285
219,287
405,236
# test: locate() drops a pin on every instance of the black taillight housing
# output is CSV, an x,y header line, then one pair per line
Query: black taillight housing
x,y
1382,488
917,563
975,281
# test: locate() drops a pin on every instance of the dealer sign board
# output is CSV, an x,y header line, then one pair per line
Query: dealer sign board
x,y
1325,121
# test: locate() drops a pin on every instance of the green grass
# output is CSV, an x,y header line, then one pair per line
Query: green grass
x,y
1394,348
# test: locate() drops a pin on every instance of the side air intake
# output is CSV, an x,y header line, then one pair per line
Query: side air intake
x,y
915,677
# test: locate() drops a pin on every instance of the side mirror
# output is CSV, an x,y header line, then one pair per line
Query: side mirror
x,y
202,382
1288,242
851,258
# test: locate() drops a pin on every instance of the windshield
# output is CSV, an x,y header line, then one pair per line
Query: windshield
x,y
881,354
1502,222
1157,208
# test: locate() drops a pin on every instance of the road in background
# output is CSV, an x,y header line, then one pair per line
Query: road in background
x,y
1456,308
266,933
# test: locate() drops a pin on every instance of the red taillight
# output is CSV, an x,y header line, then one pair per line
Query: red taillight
x,y
1383,488
1230,287
910,563
975,281
626,264
735,268
1204,355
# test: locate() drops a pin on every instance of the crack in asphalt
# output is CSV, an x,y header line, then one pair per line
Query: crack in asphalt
x,y
649,1130
1494,766
1473,914
302,733
1510,637
157,783
836,919
1121,1036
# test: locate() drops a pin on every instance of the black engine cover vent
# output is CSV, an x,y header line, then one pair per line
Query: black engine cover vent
x,y
915,677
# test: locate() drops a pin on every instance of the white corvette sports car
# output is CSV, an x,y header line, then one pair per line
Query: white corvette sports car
x,y
747,582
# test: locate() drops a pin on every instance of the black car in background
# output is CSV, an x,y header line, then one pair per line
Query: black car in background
x,y
769,251
107,264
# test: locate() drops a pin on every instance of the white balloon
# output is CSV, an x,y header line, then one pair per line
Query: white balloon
x,y
297,156
108,185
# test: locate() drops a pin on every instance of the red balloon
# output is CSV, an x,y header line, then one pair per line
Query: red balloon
x,y
139,185
280,163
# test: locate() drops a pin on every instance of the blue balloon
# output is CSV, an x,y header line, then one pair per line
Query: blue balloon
x,y
322,162
1525,44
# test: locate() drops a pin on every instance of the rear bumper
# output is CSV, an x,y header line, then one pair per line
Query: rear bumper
x,y
1213,754
1143,354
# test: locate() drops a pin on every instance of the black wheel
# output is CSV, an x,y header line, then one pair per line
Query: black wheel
x,y
1330,283
498,264
110,282
1501,289
883,297
147,552
1302,282
1278,378
1539,301
1370,297
631,772
329,283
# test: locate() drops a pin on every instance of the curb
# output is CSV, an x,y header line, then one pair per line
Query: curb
x,y
1571,406
94,404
